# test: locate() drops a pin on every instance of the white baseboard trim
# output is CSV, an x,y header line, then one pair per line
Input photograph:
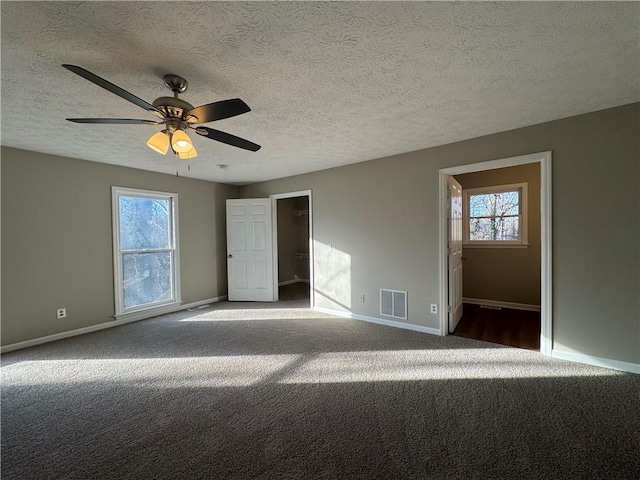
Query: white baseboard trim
x,y
101,326
596,361
379,321
295,280
499,303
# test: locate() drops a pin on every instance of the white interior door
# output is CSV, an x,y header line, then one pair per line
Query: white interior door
x,y
249,250
454,194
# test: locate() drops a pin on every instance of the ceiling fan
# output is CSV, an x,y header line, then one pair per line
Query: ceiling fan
x,y
177,116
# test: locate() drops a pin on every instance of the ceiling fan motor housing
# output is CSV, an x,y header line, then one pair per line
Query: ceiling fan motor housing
x,y
174,108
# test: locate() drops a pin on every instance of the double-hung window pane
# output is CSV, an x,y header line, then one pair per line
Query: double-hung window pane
x,y
496,215
146,278
145,223
146,251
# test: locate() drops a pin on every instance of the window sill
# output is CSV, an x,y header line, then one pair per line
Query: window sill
x,y
148,312
495,245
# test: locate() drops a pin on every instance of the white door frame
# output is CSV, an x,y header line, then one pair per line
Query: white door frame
x,y
274,213
544,159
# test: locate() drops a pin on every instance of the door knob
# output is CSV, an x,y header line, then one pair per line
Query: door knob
x,y
229,256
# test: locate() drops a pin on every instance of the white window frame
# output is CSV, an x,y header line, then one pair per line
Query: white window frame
x,y
522,217
120,310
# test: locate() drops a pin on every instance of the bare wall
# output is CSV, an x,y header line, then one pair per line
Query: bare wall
x,y
57,240
507,274
376,226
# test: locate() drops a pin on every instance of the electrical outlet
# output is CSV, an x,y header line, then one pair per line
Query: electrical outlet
x,y
362,297
61,313
434,308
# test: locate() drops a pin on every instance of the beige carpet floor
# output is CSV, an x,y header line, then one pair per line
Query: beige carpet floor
x,y
246,391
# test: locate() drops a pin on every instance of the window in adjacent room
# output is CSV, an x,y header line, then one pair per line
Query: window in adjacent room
x,y
496,216
145,237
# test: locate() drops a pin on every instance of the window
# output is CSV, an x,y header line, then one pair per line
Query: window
x,y
145,249
496,216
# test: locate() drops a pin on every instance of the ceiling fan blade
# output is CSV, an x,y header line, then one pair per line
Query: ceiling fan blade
x,y
218,110
115,121
101,82
227,138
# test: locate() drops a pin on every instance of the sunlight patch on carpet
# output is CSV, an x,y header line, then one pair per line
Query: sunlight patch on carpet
x,y
253,314
226,371
316,368
446,364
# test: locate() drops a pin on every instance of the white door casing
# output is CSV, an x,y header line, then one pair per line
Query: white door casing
x,y
249,250
274,215
546,279
454,225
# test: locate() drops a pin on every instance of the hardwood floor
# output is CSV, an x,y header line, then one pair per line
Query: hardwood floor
x,y
516,328
294,292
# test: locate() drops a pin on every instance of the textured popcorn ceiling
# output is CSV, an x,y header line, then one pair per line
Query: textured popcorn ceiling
x,y
329,83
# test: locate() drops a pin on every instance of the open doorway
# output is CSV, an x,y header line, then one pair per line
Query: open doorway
x,y
506,290
292,248
501,256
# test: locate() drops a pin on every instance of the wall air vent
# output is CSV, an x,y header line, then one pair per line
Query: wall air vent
x,y
393,303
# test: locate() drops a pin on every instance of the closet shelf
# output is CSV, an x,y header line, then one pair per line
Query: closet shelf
x,y
299,213
300,256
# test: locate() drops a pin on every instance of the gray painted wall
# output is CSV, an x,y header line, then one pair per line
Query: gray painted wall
x,y
381,219
506,274
57,240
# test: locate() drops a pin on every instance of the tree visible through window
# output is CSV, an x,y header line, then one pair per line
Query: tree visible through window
x,y
145,267
496,215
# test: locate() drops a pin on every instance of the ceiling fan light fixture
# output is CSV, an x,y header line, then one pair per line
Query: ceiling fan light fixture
x,y
159,142
177,115
181,142
188,155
